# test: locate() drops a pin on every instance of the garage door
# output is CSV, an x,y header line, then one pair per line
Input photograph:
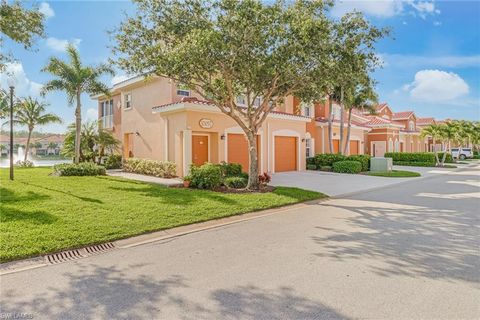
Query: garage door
x,y
336,146
285,154
354,147
237,150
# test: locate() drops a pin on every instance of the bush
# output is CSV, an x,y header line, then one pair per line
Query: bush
x,y
364,159
235,182
24,164
326,168
264,178
113,161
328,159
311,166
207,176
347,166
310,160
230,169
80,169
162,169
417,157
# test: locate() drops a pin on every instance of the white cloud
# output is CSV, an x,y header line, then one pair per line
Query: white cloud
x,y
436,86
46,10
92,114
61,44
23,86
437,23
119,78
386,8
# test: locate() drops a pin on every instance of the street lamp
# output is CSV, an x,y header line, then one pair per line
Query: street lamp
x,y
11,84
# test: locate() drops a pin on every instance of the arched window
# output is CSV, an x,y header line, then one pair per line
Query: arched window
x,y
411,126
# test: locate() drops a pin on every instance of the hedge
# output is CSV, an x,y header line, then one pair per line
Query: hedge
x,y
113,161
347,166
162,169
328,159
417,157
207,176
364,159
80,169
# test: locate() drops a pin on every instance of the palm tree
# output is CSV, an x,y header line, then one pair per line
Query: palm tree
x,y
31,113
106,142
52,146
433,131
74,78
362,98
448,133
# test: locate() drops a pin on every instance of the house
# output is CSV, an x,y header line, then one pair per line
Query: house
x,y
155,118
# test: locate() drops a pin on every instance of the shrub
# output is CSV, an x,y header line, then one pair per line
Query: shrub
x,y
162,169
235,182
230,169
24,164
347,166
113,161
326,168
80,169
310,160
364,159
311,166
264,178
417,157
207,176
327,159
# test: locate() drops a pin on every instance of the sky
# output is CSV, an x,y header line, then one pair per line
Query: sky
x,y
431,62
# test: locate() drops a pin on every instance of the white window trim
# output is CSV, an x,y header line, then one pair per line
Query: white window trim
x,y
125,100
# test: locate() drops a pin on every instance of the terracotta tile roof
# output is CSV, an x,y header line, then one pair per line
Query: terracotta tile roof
x,y
425,121
208,103
402,115
355,123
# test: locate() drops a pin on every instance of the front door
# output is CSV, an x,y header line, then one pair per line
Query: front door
x,y
379,148
199,150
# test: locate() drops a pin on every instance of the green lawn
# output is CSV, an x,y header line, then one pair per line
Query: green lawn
x,y
42,213
395,174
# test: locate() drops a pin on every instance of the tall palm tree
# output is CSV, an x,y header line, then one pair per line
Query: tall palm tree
x,y
31,113
449,133
362,98
435,132
74,78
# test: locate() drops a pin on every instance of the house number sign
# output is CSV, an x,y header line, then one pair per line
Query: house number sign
x,y
206,123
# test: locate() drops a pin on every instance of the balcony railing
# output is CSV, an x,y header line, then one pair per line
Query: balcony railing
x,y
107,121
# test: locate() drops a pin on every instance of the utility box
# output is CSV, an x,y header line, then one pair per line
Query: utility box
x,y
381,164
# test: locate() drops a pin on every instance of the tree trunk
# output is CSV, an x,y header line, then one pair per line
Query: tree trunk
x,y
253,183
444,157
330,119
349,125
78,128
340,147
27,147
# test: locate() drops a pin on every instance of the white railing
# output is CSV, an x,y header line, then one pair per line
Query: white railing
x,y
107,121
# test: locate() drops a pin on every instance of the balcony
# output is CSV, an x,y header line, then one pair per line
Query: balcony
x,y
107,122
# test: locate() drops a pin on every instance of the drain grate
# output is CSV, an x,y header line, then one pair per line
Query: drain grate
x,y
64,256
99,248
75,254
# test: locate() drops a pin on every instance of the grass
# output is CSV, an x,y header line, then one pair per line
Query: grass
x,y
43,214
394,174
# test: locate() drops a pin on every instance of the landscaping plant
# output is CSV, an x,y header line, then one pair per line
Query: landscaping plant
x,y
113,161
162,169
364,159
207,176
328,159
347,166
79,169
235,182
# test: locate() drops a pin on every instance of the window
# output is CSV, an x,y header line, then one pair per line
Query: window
x,y
336,112
106,119
397,146
411,126
182,90
257,102
306,110
241,100
128,100
308,148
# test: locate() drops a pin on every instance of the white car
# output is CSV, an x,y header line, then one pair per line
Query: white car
x,y
462,153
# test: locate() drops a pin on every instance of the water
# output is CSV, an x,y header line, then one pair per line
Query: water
x,y
5,162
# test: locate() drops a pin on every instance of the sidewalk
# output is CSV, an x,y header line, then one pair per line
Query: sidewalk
x,y
174,182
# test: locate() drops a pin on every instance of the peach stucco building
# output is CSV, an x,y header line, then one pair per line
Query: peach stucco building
x,y
156,119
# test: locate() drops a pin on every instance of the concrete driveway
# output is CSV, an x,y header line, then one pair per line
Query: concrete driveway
x,y
407,251
337,184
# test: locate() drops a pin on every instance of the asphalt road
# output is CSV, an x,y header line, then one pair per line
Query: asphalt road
x,y
406,251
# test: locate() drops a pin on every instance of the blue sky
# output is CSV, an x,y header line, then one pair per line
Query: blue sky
x,y
431,63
